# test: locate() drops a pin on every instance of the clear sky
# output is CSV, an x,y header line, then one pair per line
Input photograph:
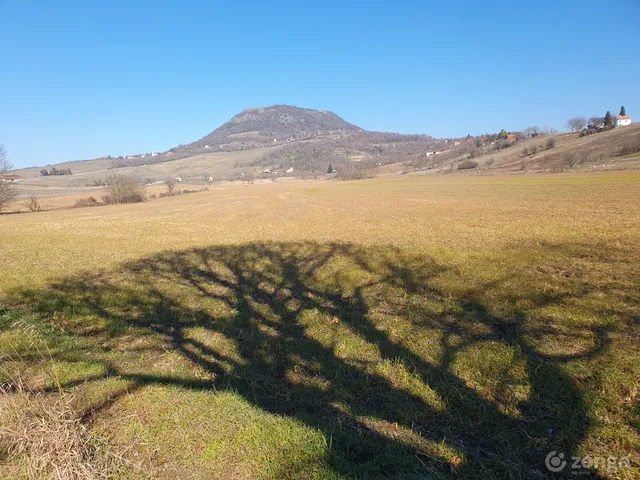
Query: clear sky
x,y
81,79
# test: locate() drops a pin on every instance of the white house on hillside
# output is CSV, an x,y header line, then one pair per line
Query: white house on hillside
x,y
622,120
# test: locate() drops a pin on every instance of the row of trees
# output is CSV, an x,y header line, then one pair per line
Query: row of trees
x,y
56,171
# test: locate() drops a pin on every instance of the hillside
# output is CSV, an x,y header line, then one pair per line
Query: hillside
x,y
308,141
608,150
267,125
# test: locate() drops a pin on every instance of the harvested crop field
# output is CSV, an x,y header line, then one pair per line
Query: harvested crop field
x,y
443,327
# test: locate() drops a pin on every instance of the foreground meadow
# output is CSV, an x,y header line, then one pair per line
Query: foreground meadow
x,y
390,328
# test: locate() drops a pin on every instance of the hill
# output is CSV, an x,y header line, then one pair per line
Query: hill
x,y
262,126
308,141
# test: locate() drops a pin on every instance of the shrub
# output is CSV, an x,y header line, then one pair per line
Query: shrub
x,y
86,202
33,204
551,143
467,165
123,190
631,146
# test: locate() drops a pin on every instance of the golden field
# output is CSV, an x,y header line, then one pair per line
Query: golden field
x,y
418,327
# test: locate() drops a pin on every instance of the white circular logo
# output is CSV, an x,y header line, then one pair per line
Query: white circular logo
x,y
555,461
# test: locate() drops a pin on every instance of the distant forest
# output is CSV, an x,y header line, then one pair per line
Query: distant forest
x,y
55,171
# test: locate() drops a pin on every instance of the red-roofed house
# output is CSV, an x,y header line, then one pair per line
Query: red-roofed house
x,y
511,137
622,120
11,178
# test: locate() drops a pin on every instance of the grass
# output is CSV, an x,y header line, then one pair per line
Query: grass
x,y
404,328
195,168
596,152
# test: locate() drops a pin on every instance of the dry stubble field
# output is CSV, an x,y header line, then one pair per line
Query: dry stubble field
x,y
402,328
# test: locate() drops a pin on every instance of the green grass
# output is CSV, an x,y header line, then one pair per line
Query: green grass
x,y
402,351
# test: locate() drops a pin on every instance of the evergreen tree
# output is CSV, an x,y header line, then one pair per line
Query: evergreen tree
x,y
622,111
608,119
330,169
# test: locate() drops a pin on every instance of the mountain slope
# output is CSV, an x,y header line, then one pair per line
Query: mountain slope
x,y
256,127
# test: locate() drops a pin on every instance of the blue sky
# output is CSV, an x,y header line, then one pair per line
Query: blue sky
x,y
85,79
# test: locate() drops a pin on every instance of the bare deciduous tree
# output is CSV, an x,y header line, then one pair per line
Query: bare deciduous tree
x,y
123,190
33,204
544,162
571,159
170,183
531,131
6,192
576,124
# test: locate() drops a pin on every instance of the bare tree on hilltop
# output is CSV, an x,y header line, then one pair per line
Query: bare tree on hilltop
x,y
576,124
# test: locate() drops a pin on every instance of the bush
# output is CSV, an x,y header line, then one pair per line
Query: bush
x,y
631,146
86,202
551,143
123,190
467,165
33,204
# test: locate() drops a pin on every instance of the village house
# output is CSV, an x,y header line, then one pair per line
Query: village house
x,y
154,154
622,121
11,178
512,137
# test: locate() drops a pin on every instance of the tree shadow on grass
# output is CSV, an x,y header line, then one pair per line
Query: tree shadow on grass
x,y
356,342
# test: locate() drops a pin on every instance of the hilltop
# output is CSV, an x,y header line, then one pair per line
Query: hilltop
x,y
255,127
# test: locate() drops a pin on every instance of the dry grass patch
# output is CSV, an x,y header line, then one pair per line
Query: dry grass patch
x,y
407,328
